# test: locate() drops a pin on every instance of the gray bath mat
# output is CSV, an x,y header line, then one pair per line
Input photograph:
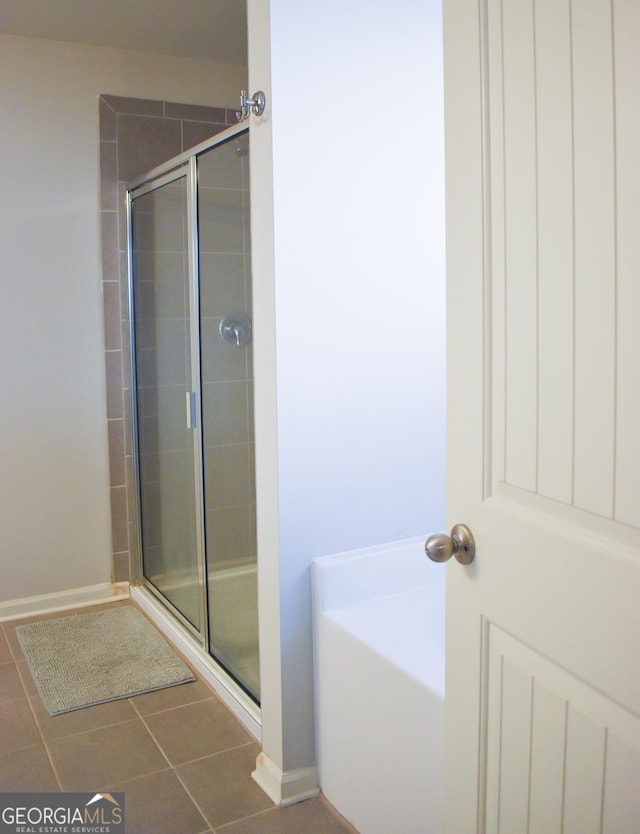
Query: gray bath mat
x,y
88,659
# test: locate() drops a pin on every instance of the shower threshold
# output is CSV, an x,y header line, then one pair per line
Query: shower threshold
x,y
232,694
233,632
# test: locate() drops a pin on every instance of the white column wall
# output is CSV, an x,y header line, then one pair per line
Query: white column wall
x,y
348,234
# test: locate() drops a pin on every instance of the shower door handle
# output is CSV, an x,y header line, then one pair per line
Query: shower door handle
x,y
192,421
460,543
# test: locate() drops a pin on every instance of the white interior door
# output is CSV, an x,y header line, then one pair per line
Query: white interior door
x,y
543,256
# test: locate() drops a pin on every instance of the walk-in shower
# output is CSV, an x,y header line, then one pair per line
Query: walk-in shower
x,y
191,348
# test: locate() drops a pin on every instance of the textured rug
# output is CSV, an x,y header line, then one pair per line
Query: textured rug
x,y
101,656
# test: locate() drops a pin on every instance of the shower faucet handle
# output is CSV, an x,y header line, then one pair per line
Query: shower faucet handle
x,y
236,329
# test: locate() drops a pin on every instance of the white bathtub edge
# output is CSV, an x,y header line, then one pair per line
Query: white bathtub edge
x,y
348,578
380,775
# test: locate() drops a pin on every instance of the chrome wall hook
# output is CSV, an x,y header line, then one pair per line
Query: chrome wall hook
x,y
253,105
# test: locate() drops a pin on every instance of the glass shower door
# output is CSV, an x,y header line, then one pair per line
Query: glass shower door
x,y
166,442
192,354
227,408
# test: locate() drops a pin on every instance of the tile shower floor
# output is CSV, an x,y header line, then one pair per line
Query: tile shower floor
x,y
182,759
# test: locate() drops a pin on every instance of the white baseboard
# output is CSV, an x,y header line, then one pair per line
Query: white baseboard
x,y
285,788
245,710
15,609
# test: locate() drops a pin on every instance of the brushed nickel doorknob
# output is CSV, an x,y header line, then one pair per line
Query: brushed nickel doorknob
x,y
460,543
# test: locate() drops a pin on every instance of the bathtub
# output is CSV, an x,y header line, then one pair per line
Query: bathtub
x,y
379,634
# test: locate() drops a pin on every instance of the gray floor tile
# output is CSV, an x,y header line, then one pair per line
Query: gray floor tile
x,y
106,756
310,817
222,785
17,725
196,730
5,653
172,696
11,638
28,769
26,677
10,683
81,720
158,803
182,759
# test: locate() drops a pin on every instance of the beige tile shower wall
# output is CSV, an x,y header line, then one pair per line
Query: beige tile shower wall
x,y
227,370
135,136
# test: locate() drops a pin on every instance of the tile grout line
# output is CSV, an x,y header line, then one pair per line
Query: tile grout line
x,y
264,811
155,741
192,798
173,769
6,640
218,753
142,718
199,758
43,740
88,730
211,697
190,795
14,662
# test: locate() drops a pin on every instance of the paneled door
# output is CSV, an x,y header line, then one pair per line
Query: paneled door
x,y
542,116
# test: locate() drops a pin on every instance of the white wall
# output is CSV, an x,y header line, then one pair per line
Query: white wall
x,y
54,500
349,331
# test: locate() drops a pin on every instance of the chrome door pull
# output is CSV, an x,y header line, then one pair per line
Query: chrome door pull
x,y
191,410
460,543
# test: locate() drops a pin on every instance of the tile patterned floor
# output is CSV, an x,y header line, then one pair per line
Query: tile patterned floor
x,y
182,759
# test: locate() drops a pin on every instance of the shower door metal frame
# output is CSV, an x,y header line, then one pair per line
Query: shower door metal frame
x,y
183,165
